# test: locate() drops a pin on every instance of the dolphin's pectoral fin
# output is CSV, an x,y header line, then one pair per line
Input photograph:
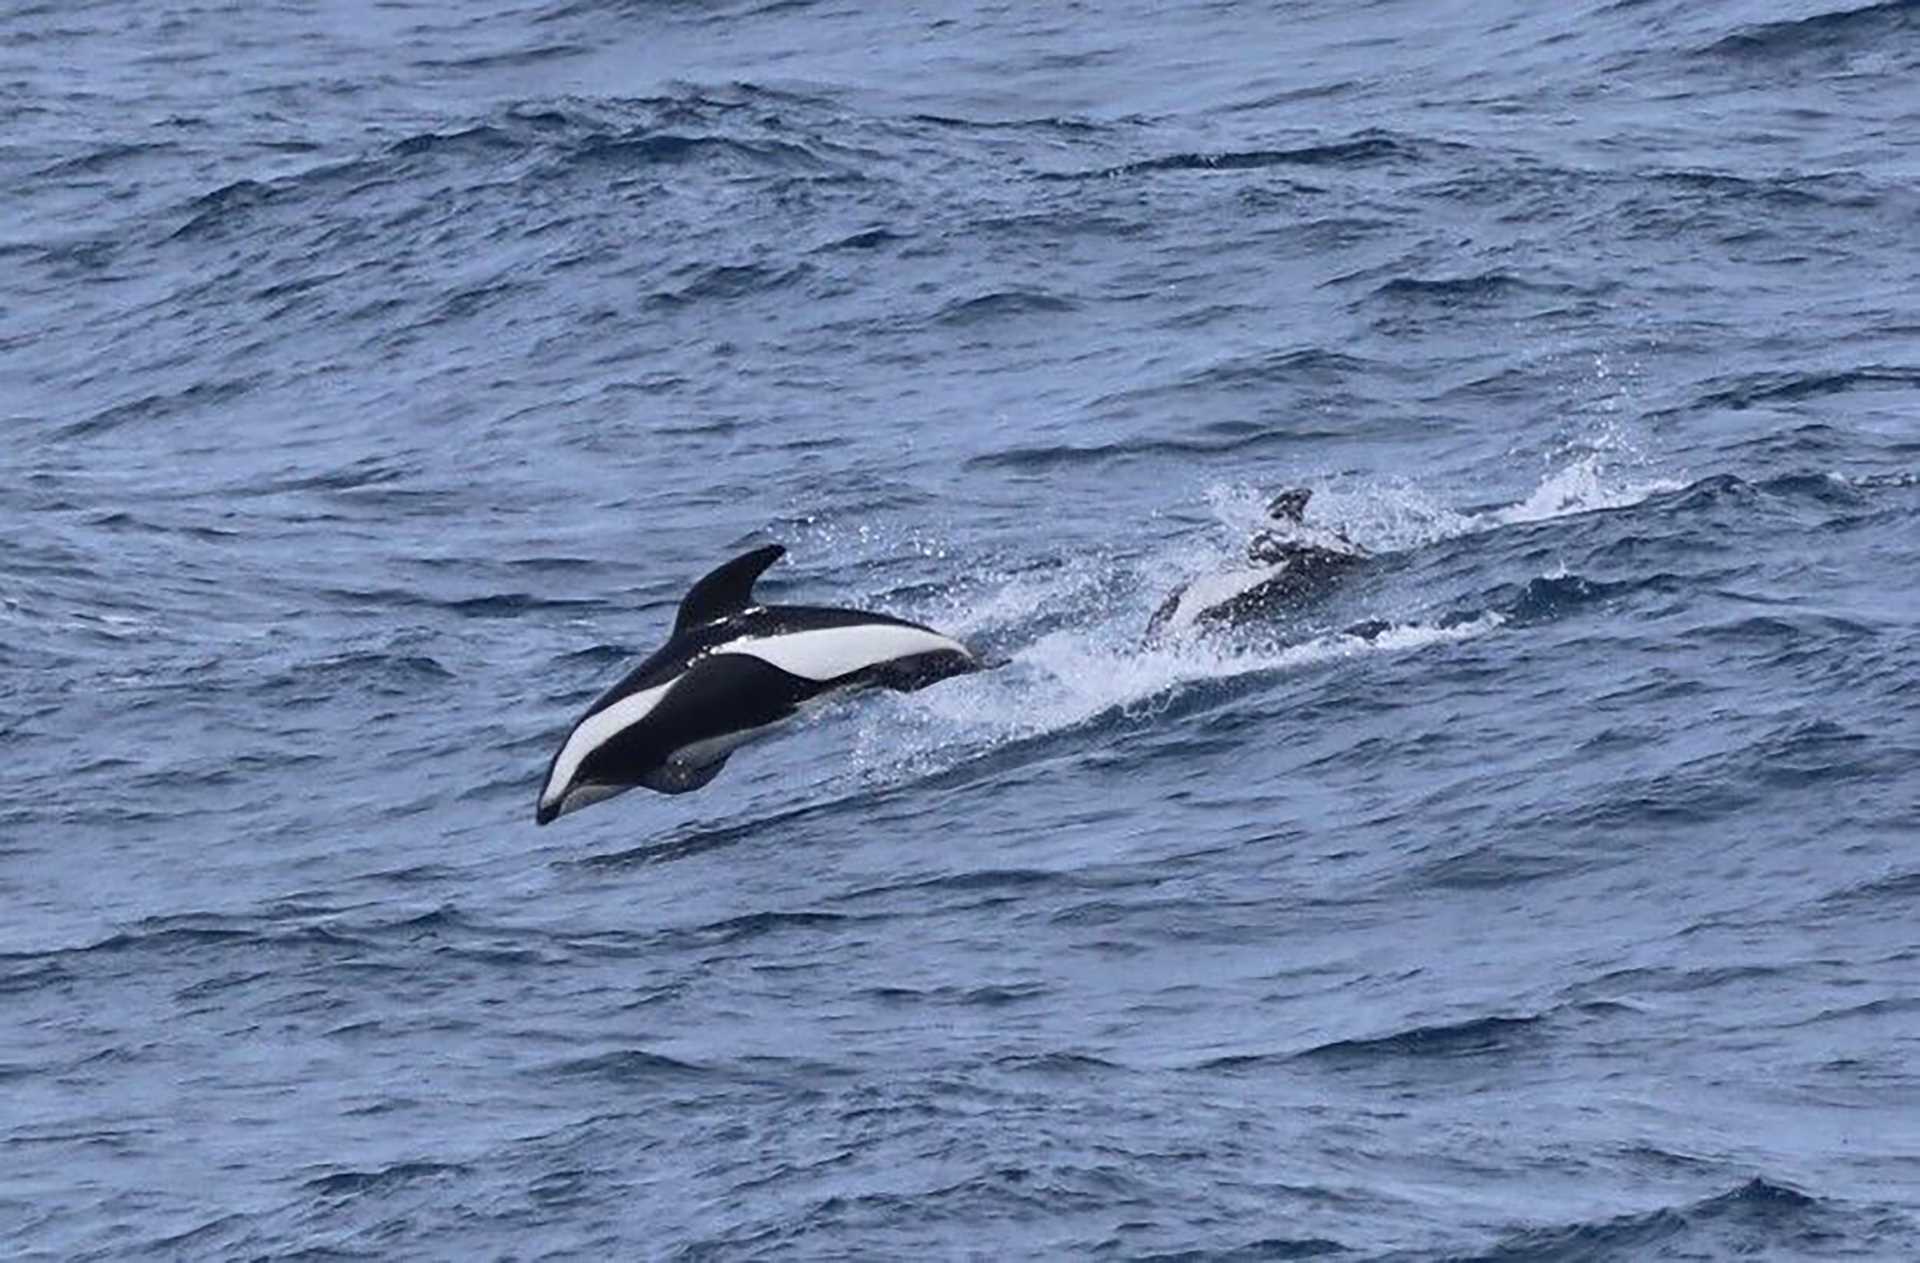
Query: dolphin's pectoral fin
x,y
725,590
681,778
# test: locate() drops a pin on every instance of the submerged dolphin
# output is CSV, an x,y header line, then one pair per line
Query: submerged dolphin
x,y
732,669
1285,566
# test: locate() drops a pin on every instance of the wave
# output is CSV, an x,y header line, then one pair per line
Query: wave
x,y
192,932
726,282
1049,456
868,239
1000,305
1067,1064
37,974
380,673
205,395
1456,1039
1070,126
507,59
224,206
1842,30
628,1067
989,879
1454,291
1491,1035
356,1183
481,139
300,927
1899,889
107,156
755,924
491,605
639,147
1782,192
1757,1215
1314,366
540,141
705,838
1365,148
1750,390
1549,598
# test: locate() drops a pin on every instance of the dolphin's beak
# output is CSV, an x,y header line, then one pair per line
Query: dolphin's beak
x,y
574,797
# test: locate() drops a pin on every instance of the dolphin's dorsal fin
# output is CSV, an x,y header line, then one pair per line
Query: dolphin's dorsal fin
x,y
1290,505
725,590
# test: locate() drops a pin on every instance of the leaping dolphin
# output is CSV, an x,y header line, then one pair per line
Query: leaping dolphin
x,y
731,670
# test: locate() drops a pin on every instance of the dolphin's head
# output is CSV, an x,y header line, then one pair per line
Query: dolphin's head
x,y
1290,505
577,778
598,758
1290,536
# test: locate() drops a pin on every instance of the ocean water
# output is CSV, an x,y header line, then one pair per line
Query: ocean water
x,y
376,377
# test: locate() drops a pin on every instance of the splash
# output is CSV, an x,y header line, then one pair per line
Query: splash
x,y
1078,676
1396,514
1582,487
1070,630
1388,516
1073,629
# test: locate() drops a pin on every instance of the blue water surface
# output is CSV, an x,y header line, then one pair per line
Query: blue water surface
x,y
376,378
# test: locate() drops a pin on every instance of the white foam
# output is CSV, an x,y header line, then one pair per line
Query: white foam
x,y
1096,664
1582,487
1602,470
1070,676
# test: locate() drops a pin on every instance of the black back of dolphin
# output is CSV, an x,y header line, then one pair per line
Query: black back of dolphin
x,y
731,668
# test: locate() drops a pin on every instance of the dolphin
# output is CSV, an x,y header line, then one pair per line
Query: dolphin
x,y
1287,564
731,670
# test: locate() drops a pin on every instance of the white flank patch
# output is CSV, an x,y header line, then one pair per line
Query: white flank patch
x,y
1210,590
828,653
595,731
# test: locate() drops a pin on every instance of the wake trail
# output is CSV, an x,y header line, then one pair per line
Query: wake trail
x,y
1066,660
